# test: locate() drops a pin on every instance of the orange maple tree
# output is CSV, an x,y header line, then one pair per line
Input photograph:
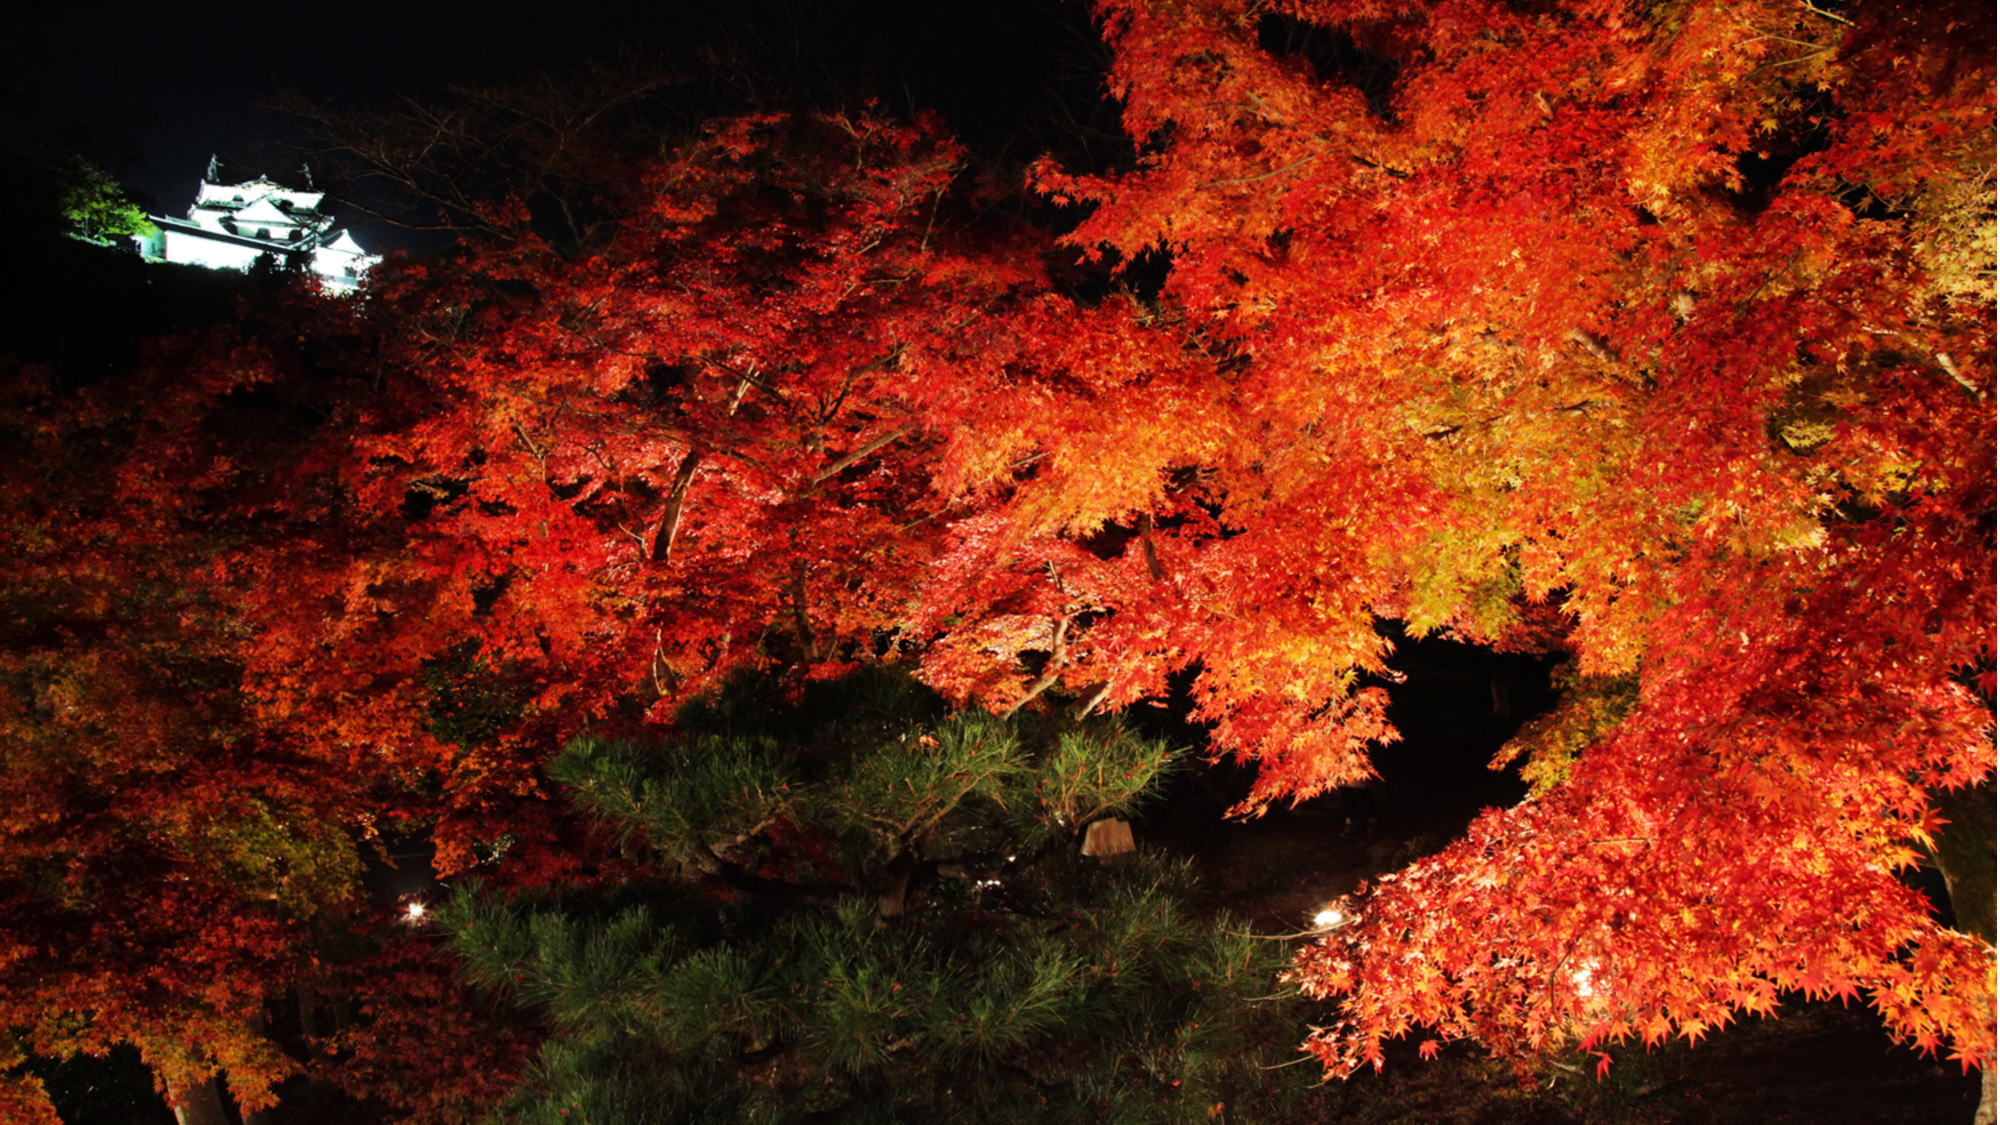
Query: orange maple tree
x,y
1660,332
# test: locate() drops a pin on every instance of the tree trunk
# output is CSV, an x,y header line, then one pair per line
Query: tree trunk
x,y
308,1012
669,526
893,897
1964,854
254,1116
200,1104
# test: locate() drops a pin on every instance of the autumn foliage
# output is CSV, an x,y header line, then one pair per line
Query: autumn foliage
x,y
1678,319
1654,338
163,857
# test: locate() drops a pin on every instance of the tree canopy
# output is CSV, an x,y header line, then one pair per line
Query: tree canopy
x,y
1653,334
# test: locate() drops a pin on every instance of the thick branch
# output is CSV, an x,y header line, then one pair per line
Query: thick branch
x,y
801,622
670,516
1230,181
1090,705
829,895
1153,566
1051,672
854,456
1595,345
886,359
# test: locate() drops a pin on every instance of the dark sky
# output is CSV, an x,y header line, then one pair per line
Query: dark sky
x,y
150,93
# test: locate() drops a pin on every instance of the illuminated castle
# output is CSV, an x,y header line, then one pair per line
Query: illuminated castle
x,y
231,225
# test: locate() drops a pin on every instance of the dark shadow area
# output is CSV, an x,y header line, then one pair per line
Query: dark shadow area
x,y
1333,57
113,1089
1455,705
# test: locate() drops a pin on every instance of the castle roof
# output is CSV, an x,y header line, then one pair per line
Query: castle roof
x,y
264,211
344,243
229,196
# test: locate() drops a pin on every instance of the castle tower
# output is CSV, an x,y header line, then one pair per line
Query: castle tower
x,y
231,225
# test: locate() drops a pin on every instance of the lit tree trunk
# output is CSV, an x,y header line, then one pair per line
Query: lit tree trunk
x,y
1964,854
669,526
1985,1115
200,1104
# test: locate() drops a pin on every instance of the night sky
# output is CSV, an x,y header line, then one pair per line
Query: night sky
x,y
150,94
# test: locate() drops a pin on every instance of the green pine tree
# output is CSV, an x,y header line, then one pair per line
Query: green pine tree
x,y
866,909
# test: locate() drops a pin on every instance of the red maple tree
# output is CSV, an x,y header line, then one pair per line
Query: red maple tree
x,y
589,487
163,862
